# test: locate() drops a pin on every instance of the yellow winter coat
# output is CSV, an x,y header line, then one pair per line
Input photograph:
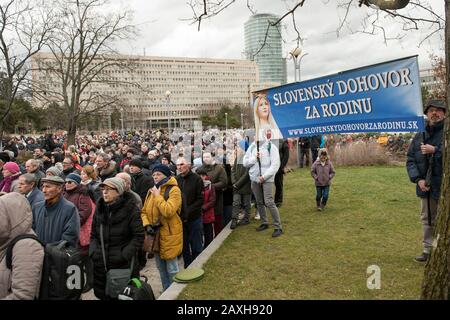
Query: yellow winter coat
x,y
171,230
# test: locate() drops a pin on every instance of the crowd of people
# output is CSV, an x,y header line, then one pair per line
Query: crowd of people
x,y
121,199
108,195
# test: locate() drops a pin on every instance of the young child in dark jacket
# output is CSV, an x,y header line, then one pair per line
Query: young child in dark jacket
x,y
322,171
209,202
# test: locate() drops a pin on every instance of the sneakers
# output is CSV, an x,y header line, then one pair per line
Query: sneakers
x,y
257,217
277,233
233,224
319,206
262,227
423,257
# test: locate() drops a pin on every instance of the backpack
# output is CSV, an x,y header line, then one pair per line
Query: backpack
x,y
58,270
137,290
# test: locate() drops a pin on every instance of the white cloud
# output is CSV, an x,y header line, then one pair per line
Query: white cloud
x,y
163,33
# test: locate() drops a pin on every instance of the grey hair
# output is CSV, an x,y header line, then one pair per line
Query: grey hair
x,y
29,178
104,156
34,162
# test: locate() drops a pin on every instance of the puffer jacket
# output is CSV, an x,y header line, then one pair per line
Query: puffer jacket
x,y
171,230
270,161
123,237
417,163
22,282
322,174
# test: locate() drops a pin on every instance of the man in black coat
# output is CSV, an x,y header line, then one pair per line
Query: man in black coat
x,y
141,182
304,145
315,145
191,186
424,165
284,158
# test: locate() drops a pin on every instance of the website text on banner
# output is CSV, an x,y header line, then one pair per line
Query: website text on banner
x,y
385,97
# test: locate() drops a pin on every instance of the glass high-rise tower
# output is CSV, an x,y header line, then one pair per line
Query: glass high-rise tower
x,y
268,56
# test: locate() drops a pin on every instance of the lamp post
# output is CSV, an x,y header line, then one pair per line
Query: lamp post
x,y
168,93
226,122
242,121
297,58
121,119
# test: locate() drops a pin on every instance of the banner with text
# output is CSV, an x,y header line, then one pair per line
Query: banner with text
x,y
385,97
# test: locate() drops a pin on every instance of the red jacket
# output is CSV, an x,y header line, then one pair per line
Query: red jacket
x,y
80,198
209,202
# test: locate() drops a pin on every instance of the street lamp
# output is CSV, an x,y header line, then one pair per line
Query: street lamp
x,y
242,121
168,93
297,58
226,121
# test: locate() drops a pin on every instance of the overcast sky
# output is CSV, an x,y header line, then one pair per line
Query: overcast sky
x,y
163,32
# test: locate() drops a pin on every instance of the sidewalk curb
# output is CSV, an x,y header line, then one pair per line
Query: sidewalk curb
x,y
175,288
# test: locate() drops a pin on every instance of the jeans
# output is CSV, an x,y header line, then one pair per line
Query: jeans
x,y
227,212
322,194
167,270
264,198
208,231
428,231
192,240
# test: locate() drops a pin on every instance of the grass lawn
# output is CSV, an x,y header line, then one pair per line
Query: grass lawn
x,y
372,218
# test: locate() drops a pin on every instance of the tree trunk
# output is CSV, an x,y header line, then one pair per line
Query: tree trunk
x,y
71,132
436,282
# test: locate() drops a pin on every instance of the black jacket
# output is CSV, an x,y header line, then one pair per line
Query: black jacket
x,y
191,187
304,143
141,183
417,163
284,154
123,234
240,178
315,142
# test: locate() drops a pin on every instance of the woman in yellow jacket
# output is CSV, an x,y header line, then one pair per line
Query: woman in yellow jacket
x,y
164,214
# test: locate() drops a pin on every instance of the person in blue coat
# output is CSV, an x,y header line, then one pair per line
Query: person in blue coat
x,y
27,187
424,165
56,218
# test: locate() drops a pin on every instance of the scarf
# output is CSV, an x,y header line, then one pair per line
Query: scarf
x,y
5,185
159,184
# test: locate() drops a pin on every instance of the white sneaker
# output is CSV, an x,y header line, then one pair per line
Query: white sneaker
x,y
257,217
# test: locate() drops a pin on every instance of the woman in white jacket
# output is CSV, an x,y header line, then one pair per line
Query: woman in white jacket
x,y
263,165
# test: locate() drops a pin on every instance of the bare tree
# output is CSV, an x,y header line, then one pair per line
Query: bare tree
x,y
25,27
418,15
83,72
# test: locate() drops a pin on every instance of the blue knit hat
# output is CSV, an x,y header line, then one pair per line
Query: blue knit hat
x,y
74,177
163,169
